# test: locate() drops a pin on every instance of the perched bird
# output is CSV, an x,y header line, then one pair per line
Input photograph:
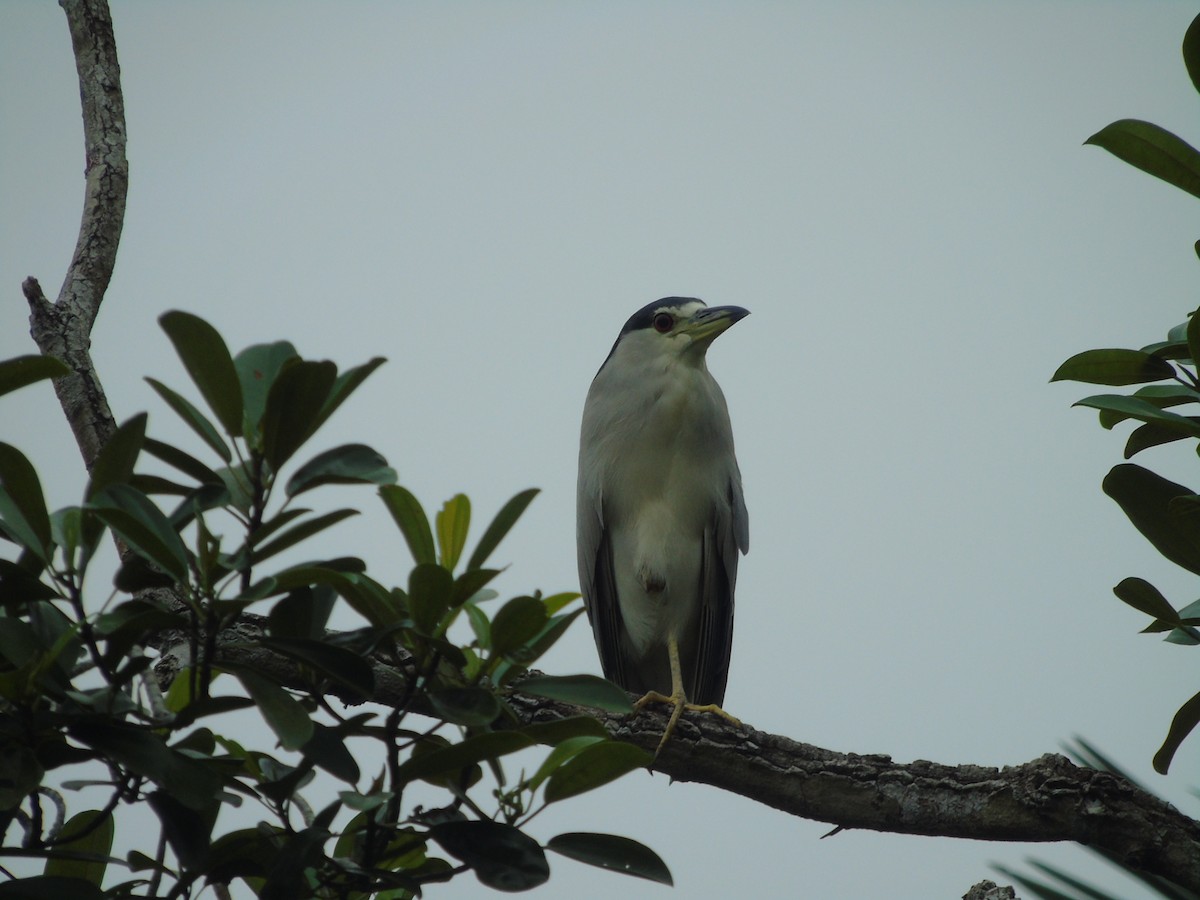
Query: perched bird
x,y
660,516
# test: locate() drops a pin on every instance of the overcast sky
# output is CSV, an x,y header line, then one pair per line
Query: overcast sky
x,y
483,193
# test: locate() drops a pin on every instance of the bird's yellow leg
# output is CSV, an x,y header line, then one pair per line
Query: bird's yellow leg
x,y
677,699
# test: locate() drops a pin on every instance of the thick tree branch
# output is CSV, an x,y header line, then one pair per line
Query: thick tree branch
x,y
1046,799
63,328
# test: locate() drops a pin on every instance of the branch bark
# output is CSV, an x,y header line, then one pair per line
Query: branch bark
x,y
1045,799
63,328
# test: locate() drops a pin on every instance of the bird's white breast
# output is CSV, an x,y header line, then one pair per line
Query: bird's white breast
x,y
671,460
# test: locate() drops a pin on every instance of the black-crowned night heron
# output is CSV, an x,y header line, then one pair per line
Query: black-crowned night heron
x,y
660,516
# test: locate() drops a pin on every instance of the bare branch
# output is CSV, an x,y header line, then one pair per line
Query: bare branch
x,y
1046,799
63,328
989,890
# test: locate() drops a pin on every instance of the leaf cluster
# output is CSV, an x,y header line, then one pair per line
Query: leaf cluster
x,y
200,550
1167,514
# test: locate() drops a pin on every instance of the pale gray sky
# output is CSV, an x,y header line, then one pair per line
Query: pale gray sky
x,y
484,192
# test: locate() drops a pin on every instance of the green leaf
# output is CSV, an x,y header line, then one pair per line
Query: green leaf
x,y
340,665
1181,726
456,757
1146,436
1145,597
429,590
210,706
345,385
327,749
500,526
66,530
22,370
565,750
594,766
457,778
347,464
240,854
1164,395
95,830
209,364
137,619
1161,396
145,753
1168,350
276,523
130,513
554,628
23,772
470,583
365,596
195,502
19,586
584,690
611,851
184,462
20,644
237,480
187,830
281,711
465,705
59,633
289,872
22,506
559,730
452,524
119,455
300,532
517,622
194,419
414,525
1183,636
1113,367
1191,52
1140,409
302,613
1154,150
1193,336
555,602
480,625
156,484
293,408
1145,498
501,856
257,368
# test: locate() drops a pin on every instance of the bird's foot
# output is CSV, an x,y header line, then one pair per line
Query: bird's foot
x,y
679,703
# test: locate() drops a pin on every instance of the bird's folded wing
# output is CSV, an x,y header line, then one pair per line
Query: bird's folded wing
x,y
599,585
727,533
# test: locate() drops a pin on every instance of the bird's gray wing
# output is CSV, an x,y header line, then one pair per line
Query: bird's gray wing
x,y
599,585
727,533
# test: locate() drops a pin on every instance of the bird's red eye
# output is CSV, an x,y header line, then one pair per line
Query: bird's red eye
x,y
664,322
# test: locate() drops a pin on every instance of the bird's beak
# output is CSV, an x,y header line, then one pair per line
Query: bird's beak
x,y
709,322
